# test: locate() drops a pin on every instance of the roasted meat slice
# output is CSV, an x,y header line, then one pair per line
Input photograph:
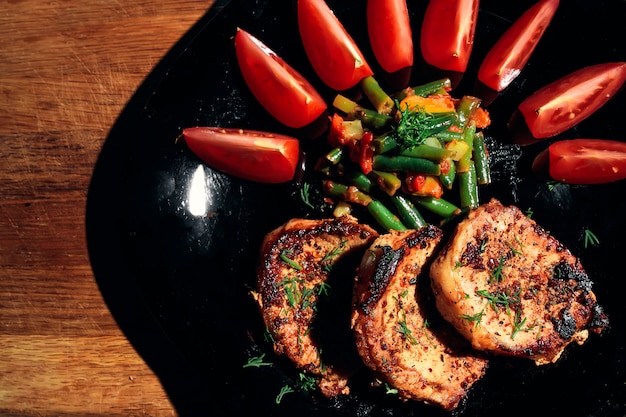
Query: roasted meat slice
x,y
304,288
398,330
511,288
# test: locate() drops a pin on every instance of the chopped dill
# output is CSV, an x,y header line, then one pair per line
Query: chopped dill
x,y
412,127
256,362
286,389
476,318
289,261
496,274
305,194
590,238
306,382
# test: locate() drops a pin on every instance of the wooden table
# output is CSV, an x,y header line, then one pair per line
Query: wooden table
x,y
66,71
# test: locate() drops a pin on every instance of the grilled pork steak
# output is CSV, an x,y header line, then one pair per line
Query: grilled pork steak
x,y
304,284
399,333
511,288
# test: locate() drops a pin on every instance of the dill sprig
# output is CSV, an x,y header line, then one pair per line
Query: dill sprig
x,y
412,128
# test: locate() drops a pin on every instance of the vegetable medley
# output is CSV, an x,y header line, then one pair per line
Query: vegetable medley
x,y
428,144
420,148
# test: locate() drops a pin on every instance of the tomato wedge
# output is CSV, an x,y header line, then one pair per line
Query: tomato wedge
x,y
334,55
566,102
509,55
248,154
447,34
390,34
583,161
280,89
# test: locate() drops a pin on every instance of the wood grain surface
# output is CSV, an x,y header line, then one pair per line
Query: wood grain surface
x,y
66,71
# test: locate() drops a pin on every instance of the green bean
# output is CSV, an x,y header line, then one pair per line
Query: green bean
x,y
334,155
449,135
357,178
384,216
377,96
384,143
438,206
447,179
437,86
481,160
468,136
466,108
468,188
405,164
370,118
386,181
408,213
348,193
426,151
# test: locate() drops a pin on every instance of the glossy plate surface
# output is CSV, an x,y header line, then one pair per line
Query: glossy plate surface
x,y
174,244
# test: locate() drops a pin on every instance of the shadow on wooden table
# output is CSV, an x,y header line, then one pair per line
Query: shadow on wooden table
x,y
186,383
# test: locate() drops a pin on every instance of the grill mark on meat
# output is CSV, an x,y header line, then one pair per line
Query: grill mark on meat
x,y
304,288
398,330
511,288
385,269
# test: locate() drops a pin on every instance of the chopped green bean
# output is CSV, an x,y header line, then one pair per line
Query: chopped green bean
x,y
468,188
447,179
449,135
405,164
334,155
370,118
384,143
357,178
426,151
377,96
434,87
408,213
384,216
468,136
387,181
348,193
438,206
466,108
481,160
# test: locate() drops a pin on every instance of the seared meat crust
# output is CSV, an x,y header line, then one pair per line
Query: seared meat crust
x,y
303,266
399,333
511,288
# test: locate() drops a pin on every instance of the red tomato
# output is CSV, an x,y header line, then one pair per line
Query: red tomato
x,y
508,56
390,33
280,89
568,101
447,35
333,54
248,154
583,161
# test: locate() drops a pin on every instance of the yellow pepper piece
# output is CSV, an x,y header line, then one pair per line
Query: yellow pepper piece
x,y
440,103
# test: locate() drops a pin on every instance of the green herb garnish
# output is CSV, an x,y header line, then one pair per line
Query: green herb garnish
x,y
412,127
590,238
256,362
289,261
283,391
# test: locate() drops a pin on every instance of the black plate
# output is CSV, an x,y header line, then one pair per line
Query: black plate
x,y
164,270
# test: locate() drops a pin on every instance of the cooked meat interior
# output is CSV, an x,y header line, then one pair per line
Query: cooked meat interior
x,y
511,288
399,333
304,280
